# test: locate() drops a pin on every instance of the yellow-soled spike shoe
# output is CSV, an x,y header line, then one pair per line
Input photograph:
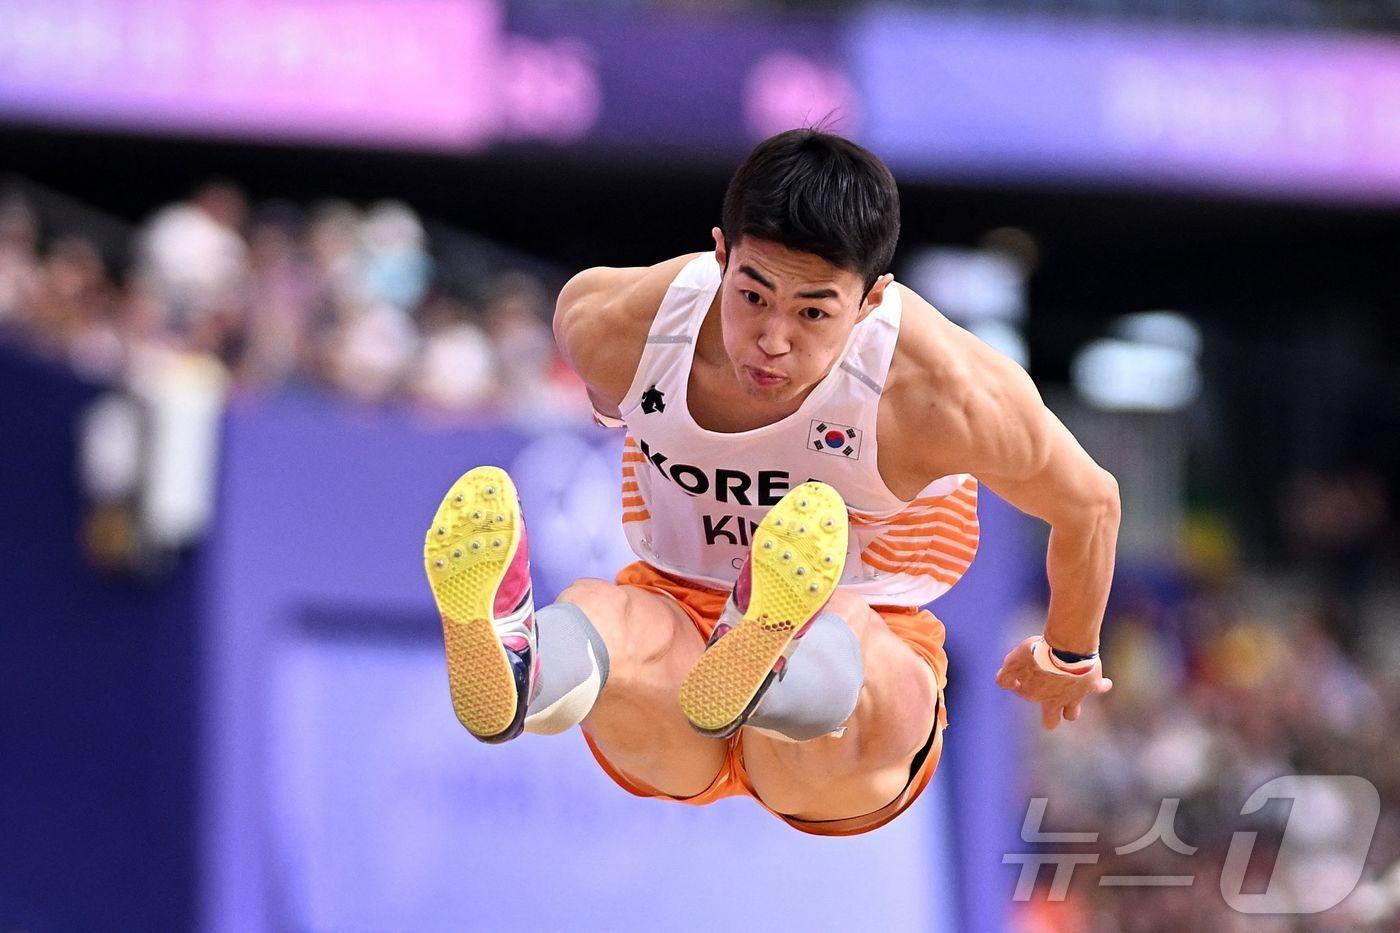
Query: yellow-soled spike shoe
x,y
794,565
479,570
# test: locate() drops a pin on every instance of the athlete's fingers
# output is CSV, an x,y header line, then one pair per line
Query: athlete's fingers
x,y
1103,686
1049,715
1072,711
1012,683
1006,679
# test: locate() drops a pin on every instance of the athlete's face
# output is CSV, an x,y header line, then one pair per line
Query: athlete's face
x,y
786,314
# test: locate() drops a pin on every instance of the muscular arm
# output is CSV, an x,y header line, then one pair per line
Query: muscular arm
x,y
601,321
1040,468
996,427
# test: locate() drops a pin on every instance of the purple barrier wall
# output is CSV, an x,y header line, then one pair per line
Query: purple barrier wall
x,y
98,684
341,791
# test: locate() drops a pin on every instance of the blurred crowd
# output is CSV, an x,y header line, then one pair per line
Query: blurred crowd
x,y
335,295
1222,683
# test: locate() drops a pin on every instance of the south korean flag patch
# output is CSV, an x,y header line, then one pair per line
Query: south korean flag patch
x,y
839,440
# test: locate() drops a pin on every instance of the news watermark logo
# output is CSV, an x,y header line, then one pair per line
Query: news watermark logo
x,y
1330,815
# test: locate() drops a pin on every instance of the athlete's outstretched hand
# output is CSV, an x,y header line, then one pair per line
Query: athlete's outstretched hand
x,y
1059,694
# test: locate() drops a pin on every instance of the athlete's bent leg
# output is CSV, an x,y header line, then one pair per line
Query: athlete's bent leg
x,y
817,695
609,657
636,721
868,765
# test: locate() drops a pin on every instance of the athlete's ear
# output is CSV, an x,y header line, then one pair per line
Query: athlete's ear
x,y
721,247
875,296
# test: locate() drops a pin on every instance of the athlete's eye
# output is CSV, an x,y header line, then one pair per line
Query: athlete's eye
x,y
814,314
751,297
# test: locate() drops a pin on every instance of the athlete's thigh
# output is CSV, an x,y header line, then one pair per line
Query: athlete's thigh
x,y
637,722
867,766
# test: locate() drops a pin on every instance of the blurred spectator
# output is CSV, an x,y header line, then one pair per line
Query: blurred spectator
x,y
279,296
194,252
515,319
1337,520
334,247
142,315
19,266
371,353
396,267
456,367
535,383
73,311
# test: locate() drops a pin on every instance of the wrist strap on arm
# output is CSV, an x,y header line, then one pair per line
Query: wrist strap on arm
x,y
1069,657
1061,662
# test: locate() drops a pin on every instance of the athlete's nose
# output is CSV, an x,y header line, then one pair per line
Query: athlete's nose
x,y
773,341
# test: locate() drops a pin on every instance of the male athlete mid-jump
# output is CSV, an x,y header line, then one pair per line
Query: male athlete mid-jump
x,y
805,439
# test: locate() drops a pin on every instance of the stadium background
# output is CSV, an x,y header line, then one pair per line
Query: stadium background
x,y
274,272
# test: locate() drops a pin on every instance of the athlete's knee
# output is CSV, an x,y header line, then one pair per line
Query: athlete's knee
x,y
851,608
894,714
820,687
599,599
631,638
902,713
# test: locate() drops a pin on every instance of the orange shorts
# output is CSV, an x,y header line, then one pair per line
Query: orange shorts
x,y
920,630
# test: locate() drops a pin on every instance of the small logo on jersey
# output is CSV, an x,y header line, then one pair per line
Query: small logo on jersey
x,y
840,440
653,400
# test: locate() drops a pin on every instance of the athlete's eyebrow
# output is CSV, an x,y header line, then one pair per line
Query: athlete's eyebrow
x,y
819,293
753,274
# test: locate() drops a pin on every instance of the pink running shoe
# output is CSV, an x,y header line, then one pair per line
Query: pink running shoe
x,y
479,570
795,564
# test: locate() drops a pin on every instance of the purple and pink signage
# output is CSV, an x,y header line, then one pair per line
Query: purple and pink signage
x,y
699,87
411,72
1296,116
943,96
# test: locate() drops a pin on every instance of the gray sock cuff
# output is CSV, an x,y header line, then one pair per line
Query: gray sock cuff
x,y
821,686
580,620
563,636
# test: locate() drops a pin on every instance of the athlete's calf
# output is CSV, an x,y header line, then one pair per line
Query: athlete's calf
x,y
636,721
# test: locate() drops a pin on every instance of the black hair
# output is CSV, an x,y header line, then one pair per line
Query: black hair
x,y
817,193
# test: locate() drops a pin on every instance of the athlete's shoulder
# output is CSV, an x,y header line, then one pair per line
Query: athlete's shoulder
x,y
602,318
932,353
946,382
633,291
601,300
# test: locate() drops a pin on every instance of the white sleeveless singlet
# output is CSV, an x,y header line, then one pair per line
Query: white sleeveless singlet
x,y
692,497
